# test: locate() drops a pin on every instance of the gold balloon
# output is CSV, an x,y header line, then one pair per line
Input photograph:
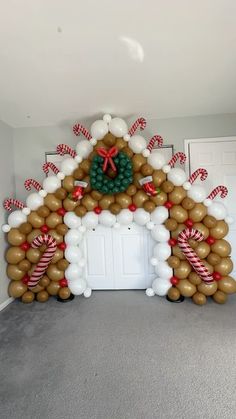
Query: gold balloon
x,y
69,204
167,186
177,195
54,273
15,237
88,202
99,144
44,281
53,220
62,264
136,179
221,247
78,173
149,206
106,201
37,289
120,143
128,151
85,166
186,288
52,202
188,203
138,160
31,236
80,211
61,229
60,194
213,259
64,293
16,289
88,187
207,289
175,233
58,255
124,200
220,297
146,169
24,265
33,255
197,213
25,228
35,220
202,228
115,208
56,236
177,252
173,262
28,297
42,296
171,224
183,270
209,221
208,266
53,288
227,284
96,195
159,199
178,213
14,255
199,299
173,294
13,272
109,140
193,243
139,198
131,190
194,278
224,267
43,211
202,250
220,230
158,177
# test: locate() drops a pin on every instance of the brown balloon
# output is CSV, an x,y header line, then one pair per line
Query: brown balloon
x,y
224,267
37,289
85,166
106,201
158,177
35,220
54,273
43,211
149,206
52,202
167,186
61,229
173,294
173,262
213,259
207,289
159,199
69,204
33,255
96,195
13,272
31,236
89,203
60,194
14,255
78,174
177,195
227,284
80,211
183,270
109,140
136,179
188,203
42,296
202,250
53,288
220,297
220,230
62,264
44,281
24,265
115,208
28,297
178,213
68,183
88,187
186,288
15,237
194,278
25,228
131,190
146,169
64,293
199,299
16,289
123,199
171,224
209,221
53,220
221,247
59,254
197,213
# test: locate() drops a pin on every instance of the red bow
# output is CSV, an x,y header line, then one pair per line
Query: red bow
x,y
108,154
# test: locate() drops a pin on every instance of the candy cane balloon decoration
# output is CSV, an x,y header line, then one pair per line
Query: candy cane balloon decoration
x,y
191,256
177,156
155,139
31,182
139,123
51,166
221,190
11,201
45,260
79,129
63,149
202,173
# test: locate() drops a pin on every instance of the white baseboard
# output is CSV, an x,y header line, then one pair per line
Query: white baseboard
x,y
5,303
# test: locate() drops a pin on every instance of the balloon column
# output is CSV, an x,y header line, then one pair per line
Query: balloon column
x,y
114,178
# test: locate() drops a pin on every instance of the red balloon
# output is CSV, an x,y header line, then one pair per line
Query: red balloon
x,y
132,207
25,279
172,242
61,211
97,210
174,280
63,282
189,223
62,246
25,246
45,229
210,240
217,276
168,204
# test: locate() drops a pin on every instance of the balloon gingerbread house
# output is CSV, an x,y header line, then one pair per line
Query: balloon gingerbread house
x,y
113,178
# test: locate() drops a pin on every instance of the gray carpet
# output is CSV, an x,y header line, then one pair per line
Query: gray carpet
x,y
118,355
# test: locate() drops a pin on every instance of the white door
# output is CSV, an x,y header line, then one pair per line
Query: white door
x,y
119,258
218,156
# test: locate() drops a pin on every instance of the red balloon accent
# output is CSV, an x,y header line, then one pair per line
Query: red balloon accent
x,y
168,204
25,279
132,207
44,229
25,246
61,211
210,240
217,276
63,282
189,223
62,246
172,242
97,210
174,280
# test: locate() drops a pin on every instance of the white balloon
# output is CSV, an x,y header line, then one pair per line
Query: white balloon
x,y
161,286
159,215
73,237
163,270
77,287
217,210
16,218
162,251
87,293
73,272
118,127
141,217
51,184
137,143
156,160
6,228
84,148
71,220
34,201
150,292
73,254
99,129
90,220
125,217
197,193
68,166
106,218
160,233
177,176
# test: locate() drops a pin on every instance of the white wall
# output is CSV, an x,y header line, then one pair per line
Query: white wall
x,y
7,190
30,144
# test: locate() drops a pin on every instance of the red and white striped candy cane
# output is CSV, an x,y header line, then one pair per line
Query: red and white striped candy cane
x,y
139,123
155,139
222,190
79,129
31,182
202,173
63,149
177,156
191,256
11,201
51,166
46,258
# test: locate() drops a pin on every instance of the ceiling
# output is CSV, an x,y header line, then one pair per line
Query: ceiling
x,y
72,59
